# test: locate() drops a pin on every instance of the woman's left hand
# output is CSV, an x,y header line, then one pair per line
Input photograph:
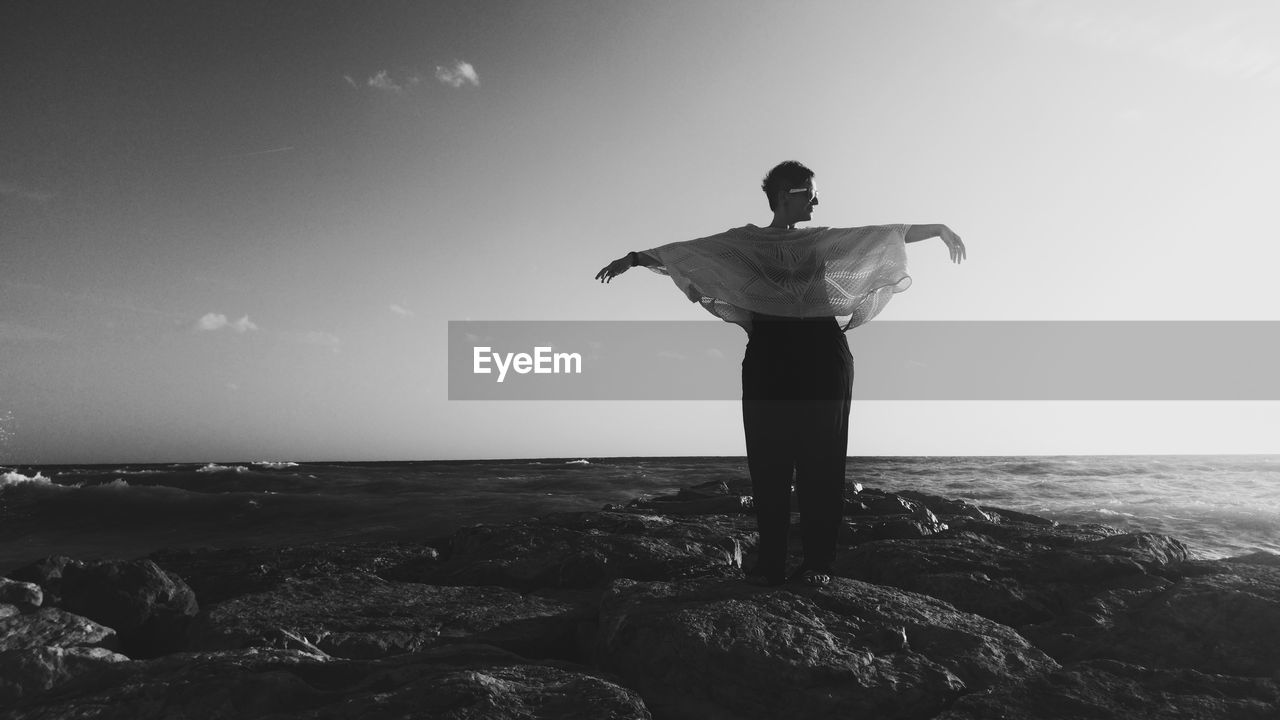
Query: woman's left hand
x,y
953,244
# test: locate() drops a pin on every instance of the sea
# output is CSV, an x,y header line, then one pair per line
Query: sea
x,y
1221,506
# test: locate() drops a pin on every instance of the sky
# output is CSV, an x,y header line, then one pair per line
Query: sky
x,y
238,231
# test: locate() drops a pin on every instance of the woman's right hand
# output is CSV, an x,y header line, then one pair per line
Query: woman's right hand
x,y
614,269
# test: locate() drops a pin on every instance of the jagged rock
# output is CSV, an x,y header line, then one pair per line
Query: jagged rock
x,y
1108,690
1114,556
585,549
220,574
33,671
148,608
1006,515
47,574
1218,617
968,571
25,595
364,616
186,686
1033,575
458,682
949,509
921,523
892,504
53,627
471,687
711,649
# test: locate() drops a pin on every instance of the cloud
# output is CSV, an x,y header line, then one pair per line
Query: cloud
x,y
401,311
457,75
218,321
244,324
462,73
14,190
382,81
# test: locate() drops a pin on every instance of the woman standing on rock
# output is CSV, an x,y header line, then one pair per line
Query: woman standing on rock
x,y
795,292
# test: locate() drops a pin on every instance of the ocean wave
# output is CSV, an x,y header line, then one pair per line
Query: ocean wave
x,y
214,467
578,462
275,464
13,478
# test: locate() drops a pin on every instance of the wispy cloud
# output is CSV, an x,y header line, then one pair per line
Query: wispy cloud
x,y
382,81
218,321
461,73
14,190
401,310
400,82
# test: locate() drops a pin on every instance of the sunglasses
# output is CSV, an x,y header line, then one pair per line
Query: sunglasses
x,y
813,195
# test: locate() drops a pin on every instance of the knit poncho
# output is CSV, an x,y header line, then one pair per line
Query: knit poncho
x,y
846,273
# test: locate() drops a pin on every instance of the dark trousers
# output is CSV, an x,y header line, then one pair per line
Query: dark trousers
x,y
797,380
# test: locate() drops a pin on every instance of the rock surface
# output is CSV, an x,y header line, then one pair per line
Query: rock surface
x,y
364,616
24,596
580,550
53,627
32,671
940,609
1109,690
148,608
47,575
1219,617
720,649
458,682
218,574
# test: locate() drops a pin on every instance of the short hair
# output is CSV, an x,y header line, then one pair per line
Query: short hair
x,y
784,176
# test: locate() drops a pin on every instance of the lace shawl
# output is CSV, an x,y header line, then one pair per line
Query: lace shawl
x,y
846,273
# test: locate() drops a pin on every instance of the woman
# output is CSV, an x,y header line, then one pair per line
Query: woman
x,y
795,292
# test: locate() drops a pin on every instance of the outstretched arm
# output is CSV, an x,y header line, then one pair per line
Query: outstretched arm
x,y
916,233
623,264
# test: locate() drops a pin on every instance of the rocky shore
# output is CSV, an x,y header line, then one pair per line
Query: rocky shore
x,y
940,609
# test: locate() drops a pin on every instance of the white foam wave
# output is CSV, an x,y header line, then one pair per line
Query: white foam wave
x,y
275,464
13,478
215,467
578,462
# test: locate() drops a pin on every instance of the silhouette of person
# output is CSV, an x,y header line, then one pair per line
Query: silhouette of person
x,y
796,292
